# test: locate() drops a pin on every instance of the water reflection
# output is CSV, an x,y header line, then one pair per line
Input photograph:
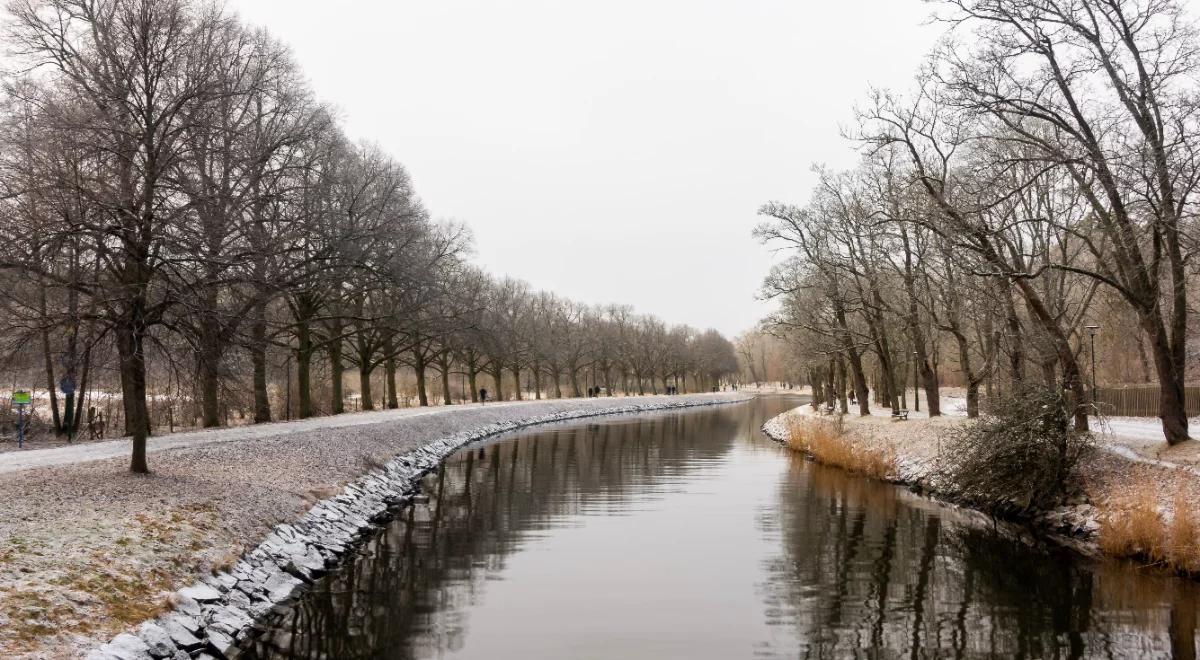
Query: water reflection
x,y
688,535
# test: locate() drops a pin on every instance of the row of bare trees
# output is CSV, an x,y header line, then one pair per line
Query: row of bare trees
x,y
172,190
1040,176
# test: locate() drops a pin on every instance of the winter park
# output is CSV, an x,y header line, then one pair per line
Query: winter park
x,y
662,329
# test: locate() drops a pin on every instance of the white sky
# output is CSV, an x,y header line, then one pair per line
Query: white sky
x,y
611,151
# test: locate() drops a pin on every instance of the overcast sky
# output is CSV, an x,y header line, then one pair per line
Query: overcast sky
x,y
611,151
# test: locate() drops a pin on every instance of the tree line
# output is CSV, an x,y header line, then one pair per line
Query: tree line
x,y
1039,178
174,199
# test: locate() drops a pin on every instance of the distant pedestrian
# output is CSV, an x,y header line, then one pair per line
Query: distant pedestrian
x,y
483,395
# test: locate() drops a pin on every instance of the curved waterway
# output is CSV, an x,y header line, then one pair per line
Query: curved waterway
x,y
691,535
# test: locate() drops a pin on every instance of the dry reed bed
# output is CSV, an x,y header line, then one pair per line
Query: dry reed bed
x,y
1151,515
1146,513
825,440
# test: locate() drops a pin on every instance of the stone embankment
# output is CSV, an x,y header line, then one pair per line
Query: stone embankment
x,y
217,615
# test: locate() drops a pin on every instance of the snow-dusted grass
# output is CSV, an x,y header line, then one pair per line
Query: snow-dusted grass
x,y
88,549
1152,516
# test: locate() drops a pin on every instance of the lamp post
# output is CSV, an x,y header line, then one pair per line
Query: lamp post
x,y
1092,329
916,384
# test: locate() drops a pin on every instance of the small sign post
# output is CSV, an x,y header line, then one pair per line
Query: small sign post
x,y
21,399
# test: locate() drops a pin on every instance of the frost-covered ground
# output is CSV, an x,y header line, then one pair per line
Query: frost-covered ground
x,y
1135,438
87,549
1133,454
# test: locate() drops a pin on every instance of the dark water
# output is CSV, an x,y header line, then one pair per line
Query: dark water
x,y
690,535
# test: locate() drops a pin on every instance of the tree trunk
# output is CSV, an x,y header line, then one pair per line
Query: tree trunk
x,y
209,377
258,358
304,357
1143,361
497,381
972,399
1172,396
130,336
964,360
516,374
337,404
857,375
419,370
843,402
1016,344
49,365
389,375
574,372
84,376
364,387
443,363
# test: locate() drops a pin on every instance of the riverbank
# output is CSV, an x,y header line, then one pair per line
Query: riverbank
x,y
1131,502
88,550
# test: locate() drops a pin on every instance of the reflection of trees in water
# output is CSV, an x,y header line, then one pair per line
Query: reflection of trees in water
x,y
863,576
406,593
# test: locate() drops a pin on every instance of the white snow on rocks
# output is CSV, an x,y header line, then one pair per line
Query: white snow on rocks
x,y
216,614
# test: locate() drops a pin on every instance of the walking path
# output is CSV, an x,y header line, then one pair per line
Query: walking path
x,y
16,461
88,548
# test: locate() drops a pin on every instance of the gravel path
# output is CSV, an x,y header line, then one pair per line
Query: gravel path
x,y
94,451
87,548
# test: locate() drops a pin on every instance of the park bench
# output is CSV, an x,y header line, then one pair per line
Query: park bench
x,y
900,413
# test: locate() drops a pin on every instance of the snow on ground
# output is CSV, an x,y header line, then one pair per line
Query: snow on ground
x,y
87,548
121,447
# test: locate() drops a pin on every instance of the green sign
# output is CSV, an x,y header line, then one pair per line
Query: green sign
x,y
21,398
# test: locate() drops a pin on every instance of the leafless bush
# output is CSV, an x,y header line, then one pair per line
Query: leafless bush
x,y
1019,458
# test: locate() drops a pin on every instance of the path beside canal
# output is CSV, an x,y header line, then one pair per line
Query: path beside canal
x,y
88,549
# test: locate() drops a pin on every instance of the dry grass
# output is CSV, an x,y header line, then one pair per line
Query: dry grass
x,y
1183,534
1133,524
826,441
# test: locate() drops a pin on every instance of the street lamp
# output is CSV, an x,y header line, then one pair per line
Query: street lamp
x,y
1092,329
916,383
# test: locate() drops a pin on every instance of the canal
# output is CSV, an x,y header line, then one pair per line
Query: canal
x,y
692,535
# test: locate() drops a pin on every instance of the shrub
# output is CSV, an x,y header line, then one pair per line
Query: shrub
x,y
1019,457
